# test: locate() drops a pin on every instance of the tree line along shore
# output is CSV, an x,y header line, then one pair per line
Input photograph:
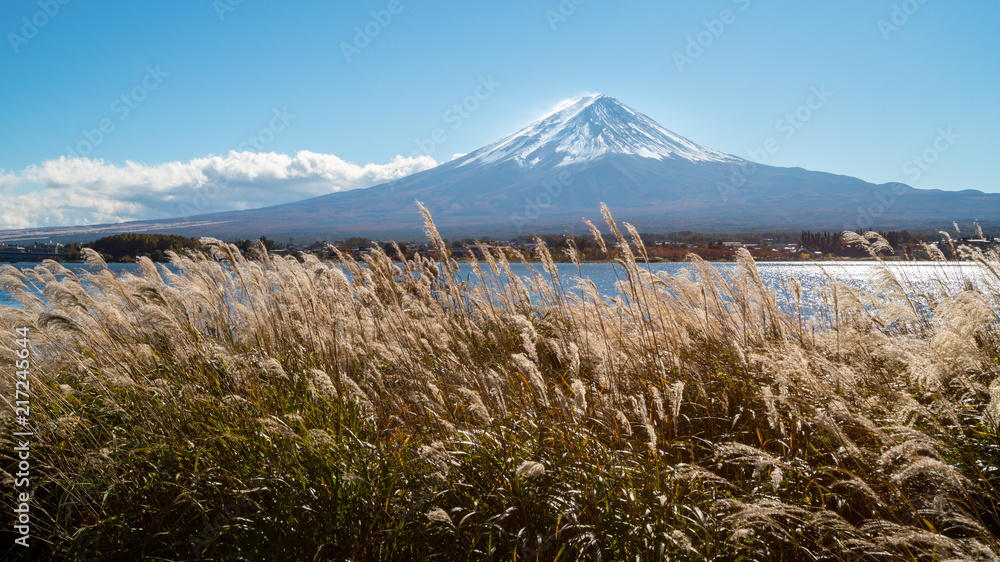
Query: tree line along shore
x,y
668,247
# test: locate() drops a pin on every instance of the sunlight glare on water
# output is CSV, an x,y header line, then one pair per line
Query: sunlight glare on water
x,y
812,276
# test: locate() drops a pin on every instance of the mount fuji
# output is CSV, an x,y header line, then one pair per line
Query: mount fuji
x,y
586,129
594,149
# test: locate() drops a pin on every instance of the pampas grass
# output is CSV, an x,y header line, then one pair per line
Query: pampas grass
x,y
381,411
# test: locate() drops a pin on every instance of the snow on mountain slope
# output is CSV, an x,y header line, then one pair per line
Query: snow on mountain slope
x,y
587,128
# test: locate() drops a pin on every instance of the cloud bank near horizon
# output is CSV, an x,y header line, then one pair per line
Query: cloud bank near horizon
x,y
82,191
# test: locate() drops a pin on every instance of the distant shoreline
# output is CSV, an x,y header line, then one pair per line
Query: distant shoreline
x,y
890,259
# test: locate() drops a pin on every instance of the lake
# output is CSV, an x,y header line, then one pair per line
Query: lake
x,y
812,276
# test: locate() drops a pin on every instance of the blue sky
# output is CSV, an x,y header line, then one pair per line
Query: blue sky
x,y
290,101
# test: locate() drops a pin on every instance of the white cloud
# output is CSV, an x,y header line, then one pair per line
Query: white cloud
x,y
81,191
7,181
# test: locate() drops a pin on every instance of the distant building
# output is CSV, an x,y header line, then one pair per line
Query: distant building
x,y
17,252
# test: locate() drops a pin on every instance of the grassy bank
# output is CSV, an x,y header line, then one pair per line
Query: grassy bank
x,y
277,410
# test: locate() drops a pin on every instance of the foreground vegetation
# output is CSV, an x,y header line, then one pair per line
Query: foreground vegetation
x,y
278,410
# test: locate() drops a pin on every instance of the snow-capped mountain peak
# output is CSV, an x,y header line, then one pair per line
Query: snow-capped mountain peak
x,y
587,128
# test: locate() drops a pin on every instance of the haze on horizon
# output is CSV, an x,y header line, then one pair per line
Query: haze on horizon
x,y
141,106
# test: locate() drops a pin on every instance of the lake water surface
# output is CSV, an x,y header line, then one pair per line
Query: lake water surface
x,y
812,276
